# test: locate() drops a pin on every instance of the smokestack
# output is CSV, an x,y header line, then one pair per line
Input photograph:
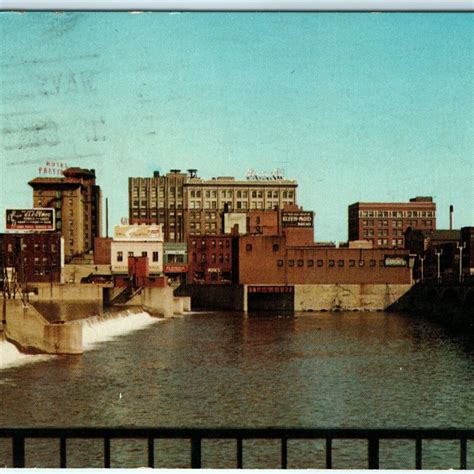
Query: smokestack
x,y
451,210
107,217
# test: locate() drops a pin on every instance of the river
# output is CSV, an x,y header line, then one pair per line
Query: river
x,y
222,369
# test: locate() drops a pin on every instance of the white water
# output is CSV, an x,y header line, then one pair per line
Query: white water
x,y
107,327
10,356
100,328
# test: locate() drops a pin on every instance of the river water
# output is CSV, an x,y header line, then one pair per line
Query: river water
x,y
221,369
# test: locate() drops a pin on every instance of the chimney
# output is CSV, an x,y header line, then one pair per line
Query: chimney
x,y
107,217
192,173
451,211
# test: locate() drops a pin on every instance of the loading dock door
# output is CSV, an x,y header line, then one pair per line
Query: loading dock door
x,y
271,298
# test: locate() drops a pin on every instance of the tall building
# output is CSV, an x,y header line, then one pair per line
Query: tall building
x,y
385,223
77,201
188,205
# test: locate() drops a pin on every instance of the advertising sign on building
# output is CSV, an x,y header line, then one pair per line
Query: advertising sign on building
x,y
174,268
395,261
138,232
297,219
36,219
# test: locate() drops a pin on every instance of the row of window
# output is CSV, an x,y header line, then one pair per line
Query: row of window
x,y
213,243
155,256
36,260
221,258
36,246
330,263
396,214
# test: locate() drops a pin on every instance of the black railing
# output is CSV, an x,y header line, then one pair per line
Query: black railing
x,y
197,435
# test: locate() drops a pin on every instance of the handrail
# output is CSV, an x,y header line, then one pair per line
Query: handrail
x,y
196,435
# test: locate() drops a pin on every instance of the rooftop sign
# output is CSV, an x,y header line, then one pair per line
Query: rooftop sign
x,y
138,232
273,175
36,219
297,219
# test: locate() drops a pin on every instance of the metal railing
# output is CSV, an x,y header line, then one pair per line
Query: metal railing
x,y
197,435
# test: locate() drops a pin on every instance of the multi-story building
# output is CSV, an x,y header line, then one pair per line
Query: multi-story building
x,y
385,224
210,259
77,201
31,257
188,205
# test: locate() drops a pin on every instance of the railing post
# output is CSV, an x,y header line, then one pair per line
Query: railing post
x,y
328,453
196,453
240,454
107,453
18,451
62,452
284,453
463,461
373,453
419,455
151,452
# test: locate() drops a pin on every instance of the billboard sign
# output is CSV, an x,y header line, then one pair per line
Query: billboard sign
x,y
175,268
235,218
297,219
138,232
35,219
395,261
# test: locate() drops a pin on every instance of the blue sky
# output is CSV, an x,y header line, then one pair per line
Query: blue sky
x,y
355,107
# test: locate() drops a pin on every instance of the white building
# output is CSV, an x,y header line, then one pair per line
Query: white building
x,y
137,241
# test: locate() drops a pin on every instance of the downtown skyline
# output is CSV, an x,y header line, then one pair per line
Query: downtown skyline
x,y
353,106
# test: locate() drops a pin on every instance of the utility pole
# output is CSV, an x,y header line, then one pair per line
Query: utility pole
x,y
438,254
460,248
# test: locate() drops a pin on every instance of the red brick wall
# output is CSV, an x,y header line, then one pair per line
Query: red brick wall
x,y
267,260
102,250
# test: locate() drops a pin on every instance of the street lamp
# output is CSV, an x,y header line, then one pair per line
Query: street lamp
x,y
422,260
460,248
438,254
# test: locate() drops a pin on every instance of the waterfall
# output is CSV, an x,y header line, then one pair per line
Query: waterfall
x,y
105,327
10,356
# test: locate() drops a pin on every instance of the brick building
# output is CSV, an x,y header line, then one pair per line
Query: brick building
x,y
385,224
77,201
210,259
188,205
35,257
270,260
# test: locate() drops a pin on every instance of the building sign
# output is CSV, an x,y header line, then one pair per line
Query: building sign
x,y
213,270
29,219
174,268
395,261
55,168
175,251
273,175
138,232
297,219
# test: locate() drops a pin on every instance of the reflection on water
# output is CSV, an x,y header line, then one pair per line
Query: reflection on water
x,y
221,369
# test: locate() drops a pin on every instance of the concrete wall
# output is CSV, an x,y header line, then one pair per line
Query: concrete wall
x,y
26,327
368,297
70,292
214,297
73,273
156,301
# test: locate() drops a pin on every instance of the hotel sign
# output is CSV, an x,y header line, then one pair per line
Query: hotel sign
x,y
297,219
273,175
395,261
36,219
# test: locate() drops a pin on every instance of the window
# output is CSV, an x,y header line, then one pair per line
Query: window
x,y
310,263
291,263
194,257
130,254
320,263
372,263
213,258
300,263
248,247
352,263
331,263
340,263
144,254
279,263
119,256
155,256
361,263
276,247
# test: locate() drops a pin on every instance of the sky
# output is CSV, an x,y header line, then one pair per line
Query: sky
x,y
353,106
